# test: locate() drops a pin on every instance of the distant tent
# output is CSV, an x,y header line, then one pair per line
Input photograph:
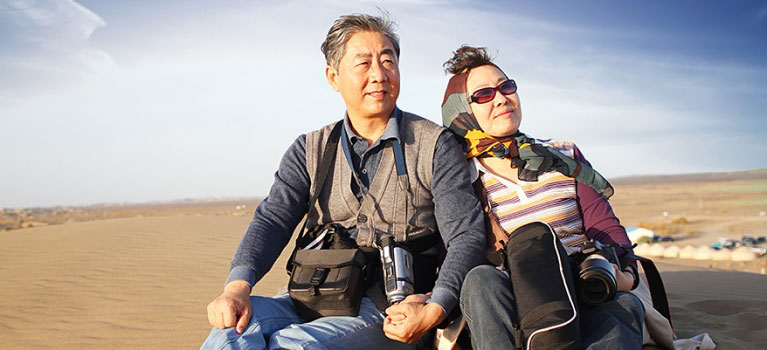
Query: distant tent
x,y
635,233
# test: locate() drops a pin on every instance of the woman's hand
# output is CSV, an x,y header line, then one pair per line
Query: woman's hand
x,y
625,279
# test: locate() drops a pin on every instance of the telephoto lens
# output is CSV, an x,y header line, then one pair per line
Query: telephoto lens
x,y
596,280
397,265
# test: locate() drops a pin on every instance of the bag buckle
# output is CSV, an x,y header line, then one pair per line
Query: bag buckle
x,y
317,278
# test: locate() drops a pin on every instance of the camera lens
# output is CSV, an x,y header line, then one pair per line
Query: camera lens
x,y
596,280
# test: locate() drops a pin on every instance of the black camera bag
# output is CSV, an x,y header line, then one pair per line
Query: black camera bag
x,y
544,289
327,282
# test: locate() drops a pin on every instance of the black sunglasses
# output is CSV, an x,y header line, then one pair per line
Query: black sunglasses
x,y
486,95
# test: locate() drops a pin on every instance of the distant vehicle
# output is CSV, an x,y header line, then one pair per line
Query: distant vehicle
x,y
724,243
758,250
639,233
748,240
663,239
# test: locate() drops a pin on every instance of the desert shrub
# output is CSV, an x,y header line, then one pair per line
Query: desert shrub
x,y
689,232
644,239
680,221
666,230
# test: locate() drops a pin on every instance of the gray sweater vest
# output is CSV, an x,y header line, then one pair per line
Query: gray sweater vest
x,y
388,207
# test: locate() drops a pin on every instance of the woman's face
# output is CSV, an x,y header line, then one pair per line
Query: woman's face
x,y
502,115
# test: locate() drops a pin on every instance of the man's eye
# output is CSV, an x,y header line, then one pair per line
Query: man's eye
x,y
363,64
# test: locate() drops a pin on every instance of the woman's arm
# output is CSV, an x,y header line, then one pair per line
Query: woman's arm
x,y
599,220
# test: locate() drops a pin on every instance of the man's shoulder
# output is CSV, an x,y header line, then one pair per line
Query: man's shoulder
x,y
319,134
414,118
413,124
326,128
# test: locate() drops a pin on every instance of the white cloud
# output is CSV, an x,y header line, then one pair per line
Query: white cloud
x,y
57,24
207,97
47,46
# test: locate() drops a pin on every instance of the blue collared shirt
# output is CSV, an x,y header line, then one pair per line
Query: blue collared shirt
x,y
366,159
456,210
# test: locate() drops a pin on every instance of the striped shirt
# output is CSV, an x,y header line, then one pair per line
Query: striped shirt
x,y
552,199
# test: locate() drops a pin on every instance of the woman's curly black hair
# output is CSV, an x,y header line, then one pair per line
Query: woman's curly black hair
x,y
466,58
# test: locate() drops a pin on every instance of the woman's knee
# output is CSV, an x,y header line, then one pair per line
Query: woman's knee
x,y
625,309
629,301
632,304
485,283
477,279
483,275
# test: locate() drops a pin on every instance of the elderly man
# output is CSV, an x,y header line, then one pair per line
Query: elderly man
x,y
362,54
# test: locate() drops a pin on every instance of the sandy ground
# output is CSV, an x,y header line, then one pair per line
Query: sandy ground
x,y
728,208
730,305
143,283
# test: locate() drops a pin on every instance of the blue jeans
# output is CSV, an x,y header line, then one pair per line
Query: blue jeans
x,y
275,325
616,324
490,309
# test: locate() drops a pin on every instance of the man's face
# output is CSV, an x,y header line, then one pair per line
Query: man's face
x,y
367,75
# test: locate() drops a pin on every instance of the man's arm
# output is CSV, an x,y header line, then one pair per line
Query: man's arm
x,y
275,218
459,218
462,226
273,223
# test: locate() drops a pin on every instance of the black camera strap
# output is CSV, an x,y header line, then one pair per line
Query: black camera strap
x,y
655,284
399,162
328,156
399,159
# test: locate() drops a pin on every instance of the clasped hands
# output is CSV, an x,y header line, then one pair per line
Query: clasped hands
x,y
405,322
411,318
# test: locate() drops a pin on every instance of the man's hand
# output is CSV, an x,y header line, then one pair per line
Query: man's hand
x,y
625,279
232,307
409,320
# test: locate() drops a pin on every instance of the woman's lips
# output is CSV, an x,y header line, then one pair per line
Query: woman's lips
x,y
504,113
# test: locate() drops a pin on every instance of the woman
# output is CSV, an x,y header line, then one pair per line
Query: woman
x,y
483,109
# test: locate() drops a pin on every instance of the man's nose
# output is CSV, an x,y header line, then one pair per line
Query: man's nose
x,y
377,72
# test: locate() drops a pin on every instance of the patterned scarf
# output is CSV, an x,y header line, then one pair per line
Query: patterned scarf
x,y
479,144
528,157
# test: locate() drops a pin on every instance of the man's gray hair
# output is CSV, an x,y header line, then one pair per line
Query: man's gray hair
x,y
346,26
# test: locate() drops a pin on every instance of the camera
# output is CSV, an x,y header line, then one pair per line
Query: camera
x,y
397,263
596,282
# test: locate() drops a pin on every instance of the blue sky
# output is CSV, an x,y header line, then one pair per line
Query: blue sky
x,y
131,101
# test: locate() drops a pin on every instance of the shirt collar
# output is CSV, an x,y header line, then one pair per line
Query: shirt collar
x,y
391,131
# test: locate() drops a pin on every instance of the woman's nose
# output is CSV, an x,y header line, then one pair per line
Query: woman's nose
x,y
500,99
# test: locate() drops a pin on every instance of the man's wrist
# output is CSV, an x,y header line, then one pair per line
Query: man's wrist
x,y
238,287
434,314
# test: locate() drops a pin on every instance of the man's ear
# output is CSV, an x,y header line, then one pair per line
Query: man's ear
x,y
331,74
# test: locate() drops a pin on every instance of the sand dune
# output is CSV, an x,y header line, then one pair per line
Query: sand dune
x,y
117,284
143,283
730,305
